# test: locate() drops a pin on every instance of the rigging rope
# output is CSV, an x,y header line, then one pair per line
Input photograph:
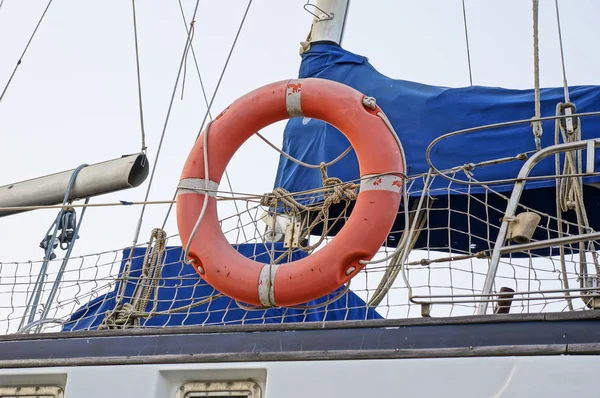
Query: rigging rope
x,y
537,125
210,116
334,191
214,93
467,42
237,35
162,136
129,314
299,162
139,80
205,202
24,51
569,191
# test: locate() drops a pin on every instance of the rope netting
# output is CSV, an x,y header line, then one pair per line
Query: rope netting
x,y
427,267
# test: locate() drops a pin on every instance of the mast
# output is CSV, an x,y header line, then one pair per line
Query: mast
x,y
329,20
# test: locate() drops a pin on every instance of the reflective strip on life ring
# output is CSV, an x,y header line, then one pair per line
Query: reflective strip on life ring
x,y
297,282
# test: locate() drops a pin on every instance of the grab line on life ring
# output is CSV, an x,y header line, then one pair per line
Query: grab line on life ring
x,y
381,163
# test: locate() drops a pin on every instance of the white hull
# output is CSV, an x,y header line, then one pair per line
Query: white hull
x,y
536,376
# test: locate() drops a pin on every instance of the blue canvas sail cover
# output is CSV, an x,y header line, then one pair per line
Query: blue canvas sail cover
x,y
421,113
180,285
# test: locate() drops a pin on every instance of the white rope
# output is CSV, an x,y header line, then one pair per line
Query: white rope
x,y
570,190
205,203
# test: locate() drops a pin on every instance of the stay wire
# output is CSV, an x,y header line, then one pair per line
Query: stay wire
x,y
537,126
139,79
237,35
191,48
187,52
162,136
467,41
214,94
562,55
24,50
195,60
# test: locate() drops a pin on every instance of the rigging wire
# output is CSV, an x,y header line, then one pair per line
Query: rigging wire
x,y
214,93
299,162
467,42
164,130
139,80
191,47
24,50
562,55
187,52
537,126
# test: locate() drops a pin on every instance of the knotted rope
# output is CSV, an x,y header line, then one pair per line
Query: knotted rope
x,y
128,314
335,191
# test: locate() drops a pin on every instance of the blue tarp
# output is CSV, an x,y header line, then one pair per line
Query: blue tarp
x,y
420,113
465,218
180,285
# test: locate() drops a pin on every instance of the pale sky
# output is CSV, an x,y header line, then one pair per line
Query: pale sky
x,y
74,98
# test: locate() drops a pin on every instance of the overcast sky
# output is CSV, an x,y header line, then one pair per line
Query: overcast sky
x,y
74,98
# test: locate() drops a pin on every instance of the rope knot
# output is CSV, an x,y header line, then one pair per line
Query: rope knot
x,y
120,317
340,189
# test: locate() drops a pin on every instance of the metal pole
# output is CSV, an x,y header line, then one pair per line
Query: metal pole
x,y
565,240
97,179
329,20
511,208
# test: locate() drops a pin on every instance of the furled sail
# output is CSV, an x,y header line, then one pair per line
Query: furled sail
x,y
421,113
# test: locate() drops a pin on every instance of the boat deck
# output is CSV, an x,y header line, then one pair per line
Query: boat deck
x,y
472,336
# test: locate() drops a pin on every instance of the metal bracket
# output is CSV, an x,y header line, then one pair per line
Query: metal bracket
x,y
569,124
293,233
277,226
324,16
590,163
426,310
591,281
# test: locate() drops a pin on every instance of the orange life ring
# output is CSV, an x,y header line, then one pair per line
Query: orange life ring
x,y
381,169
